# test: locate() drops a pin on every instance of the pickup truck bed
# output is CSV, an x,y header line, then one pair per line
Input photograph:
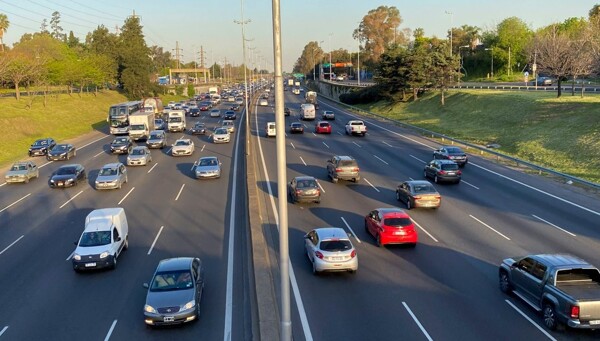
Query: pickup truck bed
x,y
582,291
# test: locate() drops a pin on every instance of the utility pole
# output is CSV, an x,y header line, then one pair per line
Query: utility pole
x,y
509,66
177,54
202,66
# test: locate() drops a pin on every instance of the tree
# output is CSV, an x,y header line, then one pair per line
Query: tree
x,y
161,60
310,57
513,36
391,73
465,36
4,24
44,26
55,26
72,41
443,69
134,61
19,68
378,30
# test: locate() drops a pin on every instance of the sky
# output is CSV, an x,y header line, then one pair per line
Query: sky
x,y
211,25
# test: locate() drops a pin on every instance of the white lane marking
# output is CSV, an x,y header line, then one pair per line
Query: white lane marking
x,y
3,330
424,230
549,223
169,151
295,289
367,181
4,183
303,160
11,244
70,256
537,189
180,190
530,320
68,201
389,145
351,230
155,239
325,144
45,164
231,243
193,166
102,152
378,158
417,321
314,134
202,149
466,183
339,133
416,158
321,187
14,203
489,227
126,195
110,331
150,170
358,145
100,139
292,145
304,125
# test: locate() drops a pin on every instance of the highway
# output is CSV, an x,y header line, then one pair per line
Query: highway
x,y
447,287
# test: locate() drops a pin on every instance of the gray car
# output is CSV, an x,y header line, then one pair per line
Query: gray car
x,y
139,156
344,168
208,167
157,139
22,172
111,176
175,292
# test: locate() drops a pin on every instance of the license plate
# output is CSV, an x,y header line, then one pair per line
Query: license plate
x,y
450,173
399,233
60,184
89,265
337,258
594,322
169,319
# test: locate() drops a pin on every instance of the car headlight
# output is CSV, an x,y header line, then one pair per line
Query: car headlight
x,y
104,255
76,257
51,180
149,309
189,305
63,154
69,180
21,175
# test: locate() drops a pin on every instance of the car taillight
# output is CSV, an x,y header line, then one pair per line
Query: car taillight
x,y
337,170
356,169
298,191
353,254
442,172
418,197
575,312
319,254
459,172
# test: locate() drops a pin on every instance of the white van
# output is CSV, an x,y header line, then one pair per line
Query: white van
x,y
270,129
307,111
105,236
176,120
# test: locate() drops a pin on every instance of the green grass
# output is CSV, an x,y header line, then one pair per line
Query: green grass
x,y
558,133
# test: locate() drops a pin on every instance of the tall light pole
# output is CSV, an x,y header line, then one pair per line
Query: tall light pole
x,y
461,67
451,23
358,63
330,66
491,49
243,23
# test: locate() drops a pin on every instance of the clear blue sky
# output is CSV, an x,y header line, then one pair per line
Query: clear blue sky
x,y
195,23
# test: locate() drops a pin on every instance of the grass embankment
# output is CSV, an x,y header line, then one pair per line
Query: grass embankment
x,y
558,133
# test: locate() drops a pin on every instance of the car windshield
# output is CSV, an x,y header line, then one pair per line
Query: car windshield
x,y
156,137
328,112
172,280
335,245
199,125
96,238
449,166
18,167
397,222
138,152
158,122
208,162
41,143
216,110
174,119
137,127
306,184
454,150
108,171
424,189
221,131
59,147
181,143
323,125
66,171
121,140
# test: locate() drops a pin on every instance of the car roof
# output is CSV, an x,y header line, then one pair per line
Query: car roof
x,y
71,165
418,182
391,210
208,157
344,157
446,161
331,233
112,165
173,264
187,140
139,147
157,132
560,259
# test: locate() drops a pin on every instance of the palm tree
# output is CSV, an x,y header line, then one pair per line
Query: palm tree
x,y
4,23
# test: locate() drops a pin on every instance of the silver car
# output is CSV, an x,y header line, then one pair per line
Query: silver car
x,y
22,172
229,125
221,135
215,113
175,292
182,147
157,139
111,176
208,167
330,249
139,156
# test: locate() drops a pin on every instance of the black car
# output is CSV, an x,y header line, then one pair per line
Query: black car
x,y
442,170
230,115
287,111
296,127
451,153
304,188
194,112
41,146
199,128
234,107
121,145
67,176
63,151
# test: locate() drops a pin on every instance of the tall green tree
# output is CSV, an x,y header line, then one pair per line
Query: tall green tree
x,y
510,49
4,24
56,29
378,30
311,55
135,64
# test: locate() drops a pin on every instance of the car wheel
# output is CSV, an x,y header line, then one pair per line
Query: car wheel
x,y
549,314
425,174
27,180
504,282
126,246
379,240
397,196
114,262
352,272
435,179
120,185
408,204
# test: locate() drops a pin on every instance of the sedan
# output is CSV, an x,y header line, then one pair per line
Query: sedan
x,y
229,125
418,193
67,176
304,188
322,127
208,167
221,135
205,106
215,113
328,115
451,153
111,176
182,147
263,102
139,156
239,101
234,107
63,151
442,170
175,292
157,139
330,249
391,226
22,172
199,128
194,112
41,146
230,115
296,127
121,145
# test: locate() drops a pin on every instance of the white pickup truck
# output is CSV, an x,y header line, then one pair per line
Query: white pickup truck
x,y
356,127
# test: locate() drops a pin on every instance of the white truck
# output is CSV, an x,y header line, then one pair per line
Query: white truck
x,y
176,120
311,97
307,111
153,104
290,82
141,123
356,127
105,236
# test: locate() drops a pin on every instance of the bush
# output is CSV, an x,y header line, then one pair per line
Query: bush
x,y
179,90
363,96
191,91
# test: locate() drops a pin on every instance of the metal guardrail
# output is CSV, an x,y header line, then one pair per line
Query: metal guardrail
x,y
568,178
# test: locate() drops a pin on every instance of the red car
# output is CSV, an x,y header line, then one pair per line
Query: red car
x,y
391,226
323,127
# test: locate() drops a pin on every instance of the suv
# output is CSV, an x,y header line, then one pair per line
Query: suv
x,y
442,170
343,167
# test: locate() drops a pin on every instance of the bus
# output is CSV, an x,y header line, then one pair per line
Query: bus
x,y
118,116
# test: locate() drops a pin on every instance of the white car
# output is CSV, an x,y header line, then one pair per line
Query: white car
x,y
215,113
182,147
229,125
221,135
263,102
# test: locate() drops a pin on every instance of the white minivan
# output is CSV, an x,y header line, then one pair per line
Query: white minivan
x,y
105,236
270,129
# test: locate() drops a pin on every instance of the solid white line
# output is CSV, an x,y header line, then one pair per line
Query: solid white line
x,y
304,125
489,227
70,256
126,195
9,206
202,149
102,152
295,290
351,230
112,327
377,157
416,158
303,161
358,145
417,321
4,183
325,144
292,145
424,230
169,151
181,189
321,187
155,239
13,243
387,144
45,164
530,320
549,223
100,139
466,183
68,201
367,181
3,330
150,170
314,134
193,166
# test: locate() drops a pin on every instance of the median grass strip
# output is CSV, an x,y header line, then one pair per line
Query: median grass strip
x,y
558,133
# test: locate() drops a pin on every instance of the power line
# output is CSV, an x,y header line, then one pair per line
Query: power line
x,y
78,11
97,10
64,21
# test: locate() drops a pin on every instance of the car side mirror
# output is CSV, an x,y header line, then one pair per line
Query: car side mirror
x,y
145,285
118,239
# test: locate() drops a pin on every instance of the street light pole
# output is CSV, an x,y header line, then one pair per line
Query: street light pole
x,y
461,67
330,66
358,63
451,23
491,49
